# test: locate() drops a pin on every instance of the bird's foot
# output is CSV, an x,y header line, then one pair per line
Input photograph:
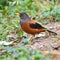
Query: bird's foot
x,y
31,39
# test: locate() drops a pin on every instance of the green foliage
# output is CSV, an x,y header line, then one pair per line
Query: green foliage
x,y
37,56
54,13
21,54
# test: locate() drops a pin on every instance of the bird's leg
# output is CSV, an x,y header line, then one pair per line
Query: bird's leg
x,y
31,38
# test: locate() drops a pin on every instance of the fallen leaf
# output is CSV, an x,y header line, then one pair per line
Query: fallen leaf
x,y
6,43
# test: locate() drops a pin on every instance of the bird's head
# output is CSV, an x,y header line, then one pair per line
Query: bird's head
x,y
24,16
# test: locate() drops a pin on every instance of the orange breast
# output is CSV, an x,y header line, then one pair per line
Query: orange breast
x,y
26,27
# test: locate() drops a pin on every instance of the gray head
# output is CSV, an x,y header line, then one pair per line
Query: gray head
x,y
24,16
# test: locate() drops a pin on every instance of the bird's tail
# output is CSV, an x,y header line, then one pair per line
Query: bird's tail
x,y
52,32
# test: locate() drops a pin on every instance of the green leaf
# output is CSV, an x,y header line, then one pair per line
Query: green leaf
x,y
0,14
23,58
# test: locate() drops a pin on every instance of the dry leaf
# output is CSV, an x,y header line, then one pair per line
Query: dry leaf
x,y
6,43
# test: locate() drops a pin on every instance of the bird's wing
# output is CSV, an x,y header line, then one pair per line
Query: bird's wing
x,y
36,25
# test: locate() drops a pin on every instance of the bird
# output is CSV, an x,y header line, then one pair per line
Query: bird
x,y
31,26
